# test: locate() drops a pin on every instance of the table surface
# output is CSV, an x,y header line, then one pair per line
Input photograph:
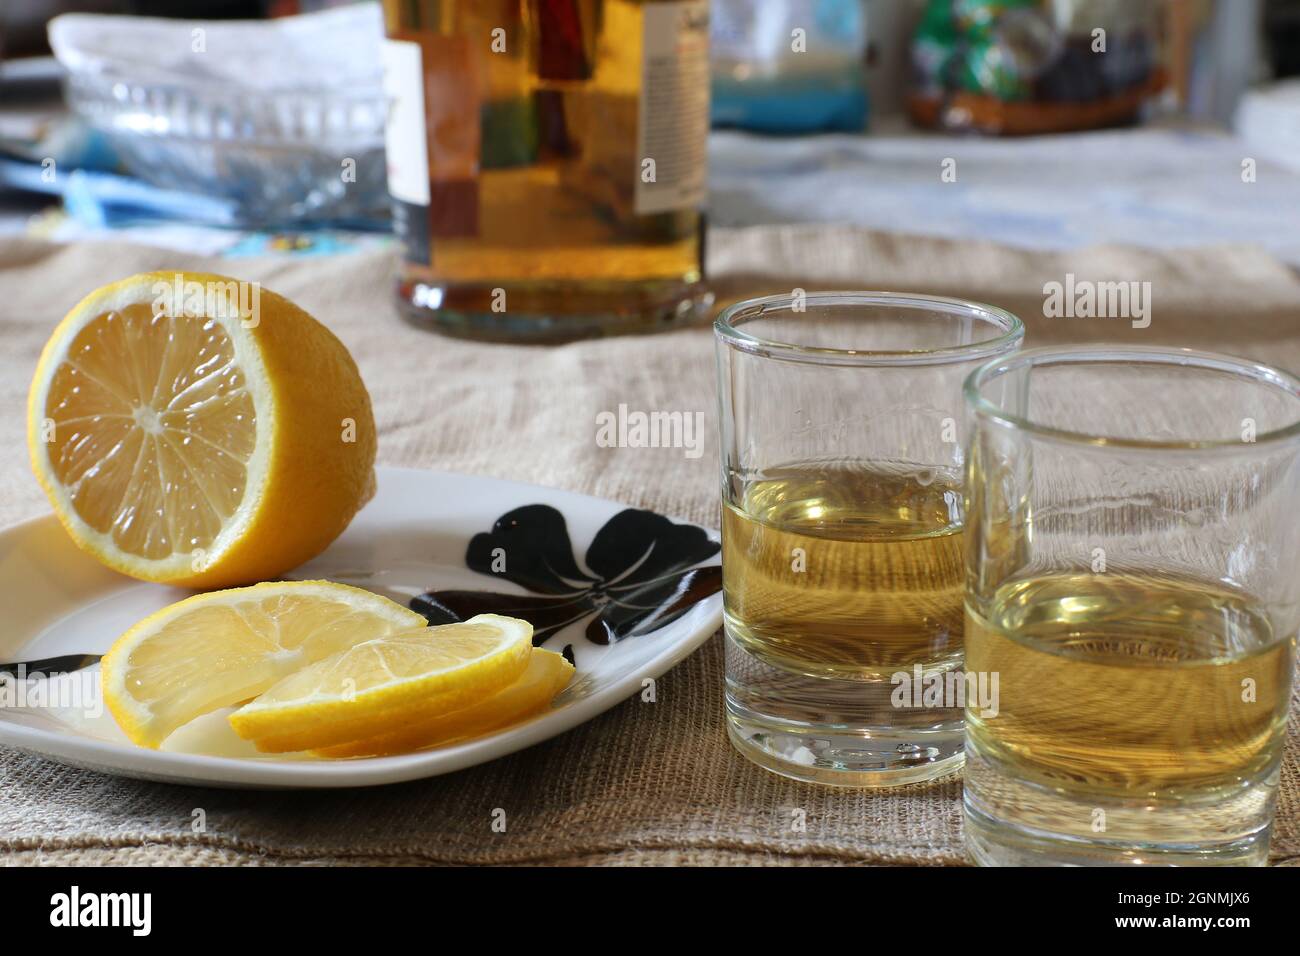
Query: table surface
x,y
646,782
1159,187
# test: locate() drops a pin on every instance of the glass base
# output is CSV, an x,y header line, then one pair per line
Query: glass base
x,y
834,731
541,312
1009,822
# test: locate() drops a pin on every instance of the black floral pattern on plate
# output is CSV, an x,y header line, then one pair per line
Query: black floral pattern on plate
x,y
639,574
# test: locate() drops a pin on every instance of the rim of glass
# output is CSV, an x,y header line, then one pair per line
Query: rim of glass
x,y
1243,368
1012,330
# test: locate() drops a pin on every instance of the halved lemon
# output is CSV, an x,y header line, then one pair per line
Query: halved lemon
x,y
192,429
383,684
547,674
223,648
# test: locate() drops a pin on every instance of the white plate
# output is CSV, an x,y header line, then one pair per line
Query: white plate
x,y
411,538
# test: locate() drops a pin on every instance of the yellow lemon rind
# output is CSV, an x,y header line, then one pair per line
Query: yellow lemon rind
x,y
305,482
133,717
548,673
286,726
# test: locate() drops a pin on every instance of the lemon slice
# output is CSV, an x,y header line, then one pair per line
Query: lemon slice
x,y
547,674
383,684
221,649
196,430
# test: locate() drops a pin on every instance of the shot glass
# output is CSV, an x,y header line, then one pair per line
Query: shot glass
x,y
842,555
1133,546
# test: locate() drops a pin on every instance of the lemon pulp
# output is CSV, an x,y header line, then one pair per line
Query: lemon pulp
x,y
152,430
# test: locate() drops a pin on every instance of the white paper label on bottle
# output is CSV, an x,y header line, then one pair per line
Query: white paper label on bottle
x,y
404,133
673,121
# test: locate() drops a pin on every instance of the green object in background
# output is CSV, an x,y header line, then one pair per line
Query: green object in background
x,y
510,136
990,47
980,17
934,47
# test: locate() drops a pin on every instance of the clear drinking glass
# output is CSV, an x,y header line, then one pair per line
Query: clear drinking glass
x,y
1133,562
842,453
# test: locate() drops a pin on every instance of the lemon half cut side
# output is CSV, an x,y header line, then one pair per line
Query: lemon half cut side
x,y
204,437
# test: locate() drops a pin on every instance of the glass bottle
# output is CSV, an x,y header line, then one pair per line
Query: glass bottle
x,y
547,163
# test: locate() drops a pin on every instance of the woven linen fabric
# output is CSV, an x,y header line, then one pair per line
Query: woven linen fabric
x,y
644,783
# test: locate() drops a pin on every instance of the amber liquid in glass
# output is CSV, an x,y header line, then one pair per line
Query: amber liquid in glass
x,y
846,572
1129,684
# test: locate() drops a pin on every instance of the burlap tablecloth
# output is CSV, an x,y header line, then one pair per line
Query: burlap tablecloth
x,y
644,783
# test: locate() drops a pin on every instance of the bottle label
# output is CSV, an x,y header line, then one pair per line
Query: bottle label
x,y
407,146
673,125
432,86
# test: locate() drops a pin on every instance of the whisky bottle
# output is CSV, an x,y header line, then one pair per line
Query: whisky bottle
x,y
547,164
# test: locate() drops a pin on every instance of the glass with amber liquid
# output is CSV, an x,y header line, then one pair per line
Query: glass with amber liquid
x,y
1132,546
547,163
885,577
842,528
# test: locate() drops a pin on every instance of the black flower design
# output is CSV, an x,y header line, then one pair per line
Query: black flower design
x,y
640,574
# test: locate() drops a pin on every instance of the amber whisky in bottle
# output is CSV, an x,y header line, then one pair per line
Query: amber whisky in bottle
x,y
547,164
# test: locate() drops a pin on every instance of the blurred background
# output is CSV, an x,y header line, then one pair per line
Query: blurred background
x,y
102,136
